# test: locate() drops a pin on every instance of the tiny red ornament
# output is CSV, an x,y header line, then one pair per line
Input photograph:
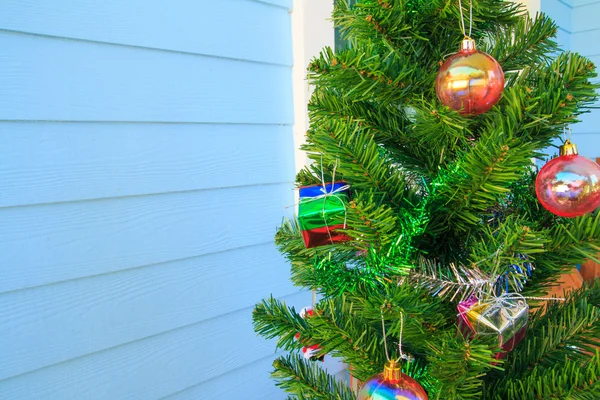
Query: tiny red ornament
x,y
470,81
569,185
309,352
392,385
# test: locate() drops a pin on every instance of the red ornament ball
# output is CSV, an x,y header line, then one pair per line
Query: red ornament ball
x,y
569,185
392,385
470,81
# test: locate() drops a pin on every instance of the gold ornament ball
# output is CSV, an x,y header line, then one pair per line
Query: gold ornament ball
x,y
470,81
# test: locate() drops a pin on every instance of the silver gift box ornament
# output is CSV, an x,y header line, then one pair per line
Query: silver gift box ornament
x,y
505,316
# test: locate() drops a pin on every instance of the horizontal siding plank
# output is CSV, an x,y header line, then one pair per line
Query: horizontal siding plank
x,y
132,305
586,18
590,124
586,43
152,368
581,3
563,38
140,194
287,4
252,382
148,369
255,380
55,162
560,13
588,144
262,33
66,80
56,242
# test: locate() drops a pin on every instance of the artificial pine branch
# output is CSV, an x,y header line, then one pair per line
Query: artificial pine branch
x,y
385,20
272,318
477,181
569,242
361,162
289,241
563,331
331,278
587,392
371,225
528,42
436,136
561,91
458,366
566,379
327,268
329,327
353,339
425,316
307,381
334,278
366,73
387,124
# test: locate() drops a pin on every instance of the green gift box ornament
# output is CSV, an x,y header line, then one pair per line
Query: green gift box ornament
x,y
322,212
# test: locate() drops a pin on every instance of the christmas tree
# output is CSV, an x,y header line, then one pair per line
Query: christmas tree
x,y
432,236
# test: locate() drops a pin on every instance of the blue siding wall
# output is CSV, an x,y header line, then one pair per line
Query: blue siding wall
x,y
146,157
585,39
580,32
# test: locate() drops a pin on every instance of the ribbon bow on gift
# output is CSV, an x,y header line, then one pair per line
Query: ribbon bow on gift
x,y
504,312
333,192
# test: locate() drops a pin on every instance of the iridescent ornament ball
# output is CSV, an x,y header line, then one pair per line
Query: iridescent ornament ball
x,y
569,185
392,385
470,81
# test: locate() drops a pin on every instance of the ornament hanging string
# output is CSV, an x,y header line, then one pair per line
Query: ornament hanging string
x,y
462,18
332,193
392,383
567,133
387,354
